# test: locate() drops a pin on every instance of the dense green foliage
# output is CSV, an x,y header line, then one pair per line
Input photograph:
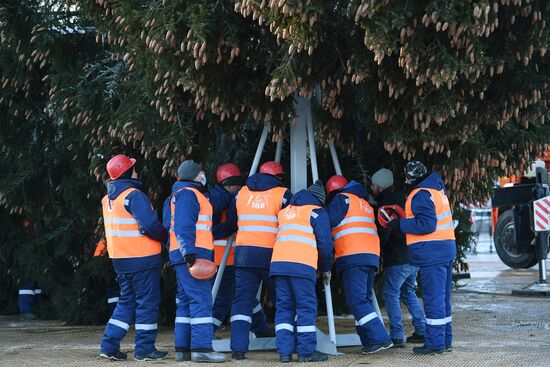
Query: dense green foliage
x,y
462,85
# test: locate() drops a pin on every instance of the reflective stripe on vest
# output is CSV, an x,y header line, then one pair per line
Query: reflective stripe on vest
x,y
444,229
257,216
356,233
219,247
124,240
295,239
203,227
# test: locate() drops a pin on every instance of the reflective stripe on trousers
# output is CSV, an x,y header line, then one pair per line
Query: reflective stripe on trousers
x,y
120,324
241,318
436,322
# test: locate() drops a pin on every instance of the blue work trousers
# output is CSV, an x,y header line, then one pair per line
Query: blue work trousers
x,y
436,294
358,283
138,303
193,327
295,315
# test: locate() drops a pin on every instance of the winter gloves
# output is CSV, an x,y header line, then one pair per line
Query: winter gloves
x,y
395,225
190,259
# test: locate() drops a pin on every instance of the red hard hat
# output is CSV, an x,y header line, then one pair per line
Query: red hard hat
x,y
226,171
118,165
271,168
387,213
335,183
203,269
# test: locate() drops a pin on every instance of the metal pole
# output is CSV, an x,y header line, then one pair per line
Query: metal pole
x,y
330,313
259,150
542,237
541,249
221,268
311,143
376,306
315,177
335,158
279,151
542,270
298,145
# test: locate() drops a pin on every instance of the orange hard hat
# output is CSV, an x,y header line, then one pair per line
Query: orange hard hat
x,y
118,165
335,183
203,269
272,168
226,171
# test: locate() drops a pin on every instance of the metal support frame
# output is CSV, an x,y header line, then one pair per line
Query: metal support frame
x,y
312,153
279,150
221,268
259,150
328,293
298,155
335,160
301,134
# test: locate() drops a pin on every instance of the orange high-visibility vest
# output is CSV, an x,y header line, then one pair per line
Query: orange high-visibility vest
x,y
295,239
445,227
257,216
124,240
203,228
356,233
219,247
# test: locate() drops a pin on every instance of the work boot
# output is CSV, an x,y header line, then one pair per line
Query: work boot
x,y
156,355
285,359
315,357
116,356
415,338
425,350
28,316
238,355
212,357
183,356
398,343
375,348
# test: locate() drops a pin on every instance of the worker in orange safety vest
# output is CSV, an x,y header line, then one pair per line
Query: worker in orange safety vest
x,y
188,215
254,211
429,233
229,182
357,257
134,235
304,244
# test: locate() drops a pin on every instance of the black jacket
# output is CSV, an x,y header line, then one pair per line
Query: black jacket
x,y
392,245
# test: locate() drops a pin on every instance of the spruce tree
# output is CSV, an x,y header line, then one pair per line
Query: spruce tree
x,y
461,85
